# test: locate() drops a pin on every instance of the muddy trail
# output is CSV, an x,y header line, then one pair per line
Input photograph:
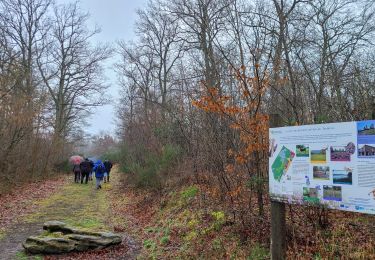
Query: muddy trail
x,y
79,205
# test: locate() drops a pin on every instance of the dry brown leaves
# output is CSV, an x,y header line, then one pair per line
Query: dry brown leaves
x,y
137,207
115,252
19,202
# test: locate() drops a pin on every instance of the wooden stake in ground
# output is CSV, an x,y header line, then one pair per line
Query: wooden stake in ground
x,y
278,225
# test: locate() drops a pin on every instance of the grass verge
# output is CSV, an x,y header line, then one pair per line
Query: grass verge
x,y
79,205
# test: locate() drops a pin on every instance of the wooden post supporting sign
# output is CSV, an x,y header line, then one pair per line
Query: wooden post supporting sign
x,y
278,225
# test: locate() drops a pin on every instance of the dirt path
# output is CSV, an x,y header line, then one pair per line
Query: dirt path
x,y
80,205
11,245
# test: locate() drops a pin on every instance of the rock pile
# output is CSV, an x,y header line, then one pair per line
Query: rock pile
x,y
64,239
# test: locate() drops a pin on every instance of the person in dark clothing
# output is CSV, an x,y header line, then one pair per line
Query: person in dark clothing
x,y
86,168
92,170
108,166
77,173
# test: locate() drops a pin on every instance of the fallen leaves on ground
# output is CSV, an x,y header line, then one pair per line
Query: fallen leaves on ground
x,y
114,252
19,202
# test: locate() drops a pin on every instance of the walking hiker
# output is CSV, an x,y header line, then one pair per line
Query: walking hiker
x,y
108,166
77,173
99,173
75,160
86,168
92,170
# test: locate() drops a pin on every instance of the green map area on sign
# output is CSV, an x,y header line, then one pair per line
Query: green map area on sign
x,y
282,162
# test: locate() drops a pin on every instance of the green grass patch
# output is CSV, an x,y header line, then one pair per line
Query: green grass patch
x,y
217,244
90,223
165,240
259,252
149,244
2,234
150,229
79,205
22,256
219,219
45,233
192,235
189,192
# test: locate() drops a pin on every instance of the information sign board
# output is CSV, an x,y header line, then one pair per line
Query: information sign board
x,y
330,164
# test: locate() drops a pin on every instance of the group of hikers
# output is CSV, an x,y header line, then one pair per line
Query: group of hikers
x,y
85,170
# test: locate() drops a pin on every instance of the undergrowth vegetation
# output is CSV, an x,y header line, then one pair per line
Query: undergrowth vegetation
x,y
184,230
187,223
149,169
175,226
199,92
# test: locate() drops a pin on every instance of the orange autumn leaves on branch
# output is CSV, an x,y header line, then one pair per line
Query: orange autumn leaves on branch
x,y
243,106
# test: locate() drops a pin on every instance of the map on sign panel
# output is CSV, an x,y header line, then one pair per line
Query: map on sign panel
x,y
282,162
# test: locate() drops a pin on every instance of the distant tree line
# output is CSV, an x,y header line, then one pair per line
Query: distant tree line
x,y
50,78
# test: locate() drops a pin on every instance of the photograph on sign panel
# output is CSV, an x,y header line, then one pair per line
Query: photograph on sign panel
x,y
366,150
339,154
366,139
321,172
366,128
332,193
282,163
342,176
310,194
319,156
302,150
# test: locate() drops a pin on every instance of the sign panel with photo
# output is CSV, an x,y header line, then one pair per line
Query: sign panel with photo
x,y
330,164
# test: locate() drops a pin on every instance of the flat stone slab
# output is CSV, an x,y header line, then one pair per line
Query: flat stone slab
x,y
65,239
48,245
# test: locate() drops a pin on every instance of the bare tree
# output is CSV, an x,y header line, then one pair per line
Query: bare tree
x,y
160,36
25,27
337,35
24,24
136,71
72,69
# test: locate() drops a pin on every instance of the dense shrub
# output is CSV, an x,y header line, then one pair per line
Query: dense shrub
x,y
114,155
149,169
63,166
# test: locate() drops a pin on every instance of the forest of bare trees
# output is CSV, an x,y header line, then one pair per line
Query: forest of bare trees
x,y
200,84
202,77
50,78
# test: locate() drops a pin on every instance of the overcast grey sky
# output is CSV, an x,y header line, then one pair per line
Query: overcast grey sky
x,y
116,18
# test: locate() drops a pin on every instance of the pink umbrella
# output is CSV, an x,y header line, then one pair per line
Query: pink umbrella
x,y
75,159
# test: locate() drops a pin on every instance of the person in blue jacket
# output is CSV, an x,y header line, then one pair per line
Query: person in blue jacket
x,y
99,170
